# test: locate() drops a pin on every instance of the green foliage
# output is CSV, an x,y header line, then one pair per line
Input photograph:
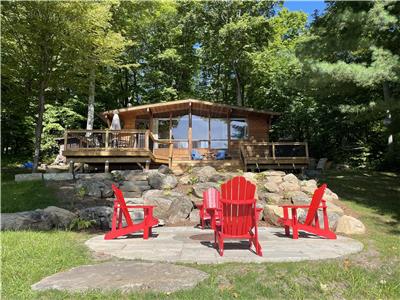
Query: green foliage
x,y
81,224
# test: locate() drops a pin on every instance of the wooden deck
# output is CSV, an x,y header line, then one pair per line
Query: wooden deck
x,y
140,147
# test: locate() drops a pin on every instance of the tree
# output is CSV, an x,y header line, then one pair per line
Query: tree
x,y
34,38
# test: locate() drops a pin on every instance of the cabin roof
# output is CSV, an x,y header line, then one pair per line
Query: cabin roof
x,y
183,105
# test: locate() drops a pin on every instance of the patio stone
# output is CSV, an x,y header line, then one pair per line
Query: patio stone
x,y
124,276
193,245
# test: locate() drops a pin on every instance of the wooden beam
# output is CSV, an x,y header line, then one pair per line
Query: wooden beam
x,y
209,131
190,134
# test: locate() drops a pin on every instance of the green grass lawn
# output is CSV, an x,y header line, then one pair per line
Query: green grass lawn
x,y
372,274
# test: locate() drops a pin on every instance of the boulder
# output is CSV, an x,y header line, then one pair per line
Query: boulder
x,y
132,195
27,220
218,177
194,216
135,186
330,196
161,200
291,178
274,173
289,186
186,179
261,214
160,181
94,176
100,215
135,175
298,197
274,179
58,176
271,187
204,173
163,169
95,188
251,177
272,213
308,189
60,217
270,198
333,218
350,225
28,177
334,208
200,187
179,210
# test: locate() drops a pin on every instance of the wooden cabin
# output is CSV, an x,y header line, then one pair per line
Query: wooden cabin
x,y
187,133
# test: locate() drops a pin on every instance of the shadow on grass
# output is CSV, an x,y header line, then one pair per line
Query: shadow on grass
x,y
377,190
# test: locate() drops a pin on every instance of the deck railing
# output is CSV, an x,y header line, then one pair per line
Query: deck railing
x,y
115,140
274,150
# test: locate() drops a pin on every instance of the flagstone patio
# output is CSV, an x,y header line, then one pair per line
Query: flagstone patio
x,y
193,245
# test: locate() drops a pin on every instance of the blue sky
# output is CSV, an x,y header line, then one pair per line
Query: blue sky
x,y
306,6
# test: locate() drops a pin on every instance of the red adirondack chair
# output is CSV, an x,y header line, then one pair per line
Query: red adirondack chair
x,y
210,200
311,224
121,211
238,213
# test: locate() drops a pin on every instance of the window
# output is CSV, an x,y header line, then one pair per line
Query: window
x,y
163,129
239,129
179,131
199,131
219,134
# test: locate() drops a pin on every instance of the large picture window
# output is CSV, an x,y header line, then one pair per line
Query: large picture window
x,y
219,133
239,129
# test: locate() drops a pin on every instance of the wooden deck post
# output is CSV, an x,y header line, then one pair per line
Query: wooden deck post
x,y
170,151
190,139
107,167
65,139
146,140
107,137
71,167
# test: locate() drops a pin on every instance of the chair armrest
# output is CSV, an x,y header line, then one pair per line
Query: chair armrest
x,y
299,206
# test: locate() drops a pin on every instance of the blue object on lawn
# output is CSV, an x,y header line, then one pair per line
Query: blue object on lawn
x,y
28,165
196,155
220,155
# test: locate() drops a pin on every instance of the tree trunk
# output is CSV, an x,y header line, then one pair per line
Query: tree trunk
x,y
90,116
39,128
239,99
386,91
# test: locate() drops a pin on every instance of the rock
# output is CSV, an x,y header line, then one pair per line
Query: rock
x,y
95,188
204,173
128,175
218,177
160,200
61,218
274,173
135,186
274,179
289,186
350,225
290,178
330,196
272,213
272,187
250,177
132,195
100,215
270,198
261,214
161,181
333,218
134,201
27,220
28,177
163,169
298,198
334,208
308,189
179,210
199,188
94,176
58,176
124,276
195,216
179,172
310,182
186,179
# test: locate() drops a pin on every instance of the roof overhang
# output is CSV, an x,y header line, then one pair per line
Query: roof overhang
x,y
195,105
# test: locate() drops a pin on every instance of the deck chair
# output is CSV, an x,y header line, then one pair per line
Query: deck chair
x,y
221,155
196,155
311,224
121,212
211,198
238,214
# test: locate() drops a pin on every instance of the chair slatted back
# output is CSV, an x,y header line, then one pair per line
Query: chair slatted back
x,y
238,206
211,198
315,202
122,204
